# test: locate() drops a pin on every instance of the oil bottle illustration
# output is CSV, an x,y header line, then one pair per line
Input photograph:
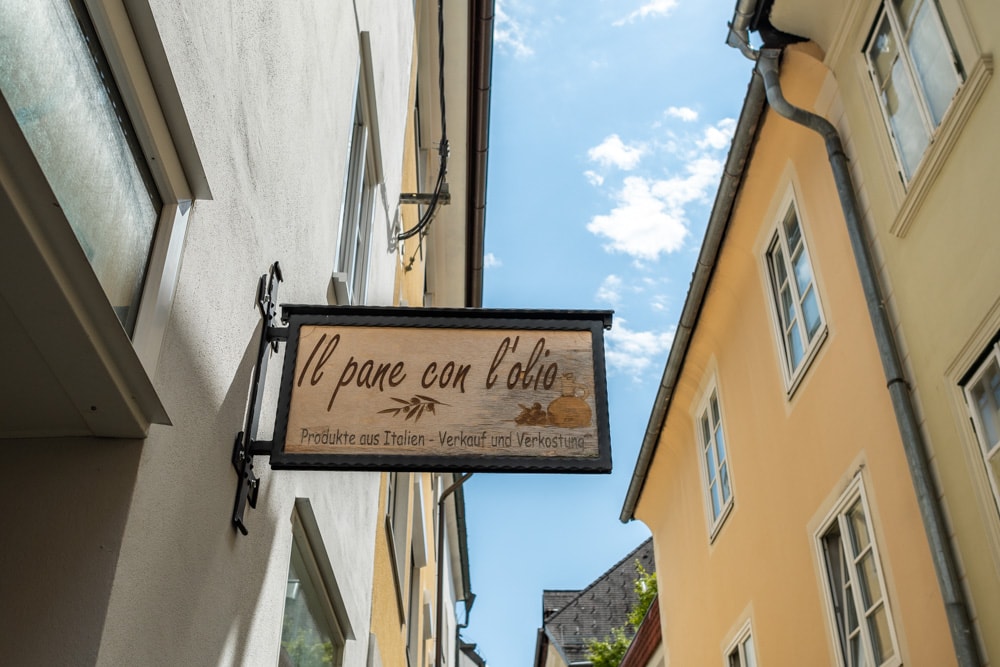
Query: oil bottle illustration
x,y
570,410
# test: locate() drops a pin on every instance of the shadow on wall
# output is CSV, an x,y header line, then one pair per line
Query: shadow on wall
x,y
65,503
187,584
181,585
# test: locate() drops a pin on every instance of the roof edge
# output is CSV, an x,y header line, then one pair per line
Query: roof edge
x,y
718,222
481,23
604,575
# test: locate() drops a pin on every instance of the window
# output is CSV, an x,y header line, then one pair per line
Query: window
x,y
413,643
982,392
315,625
73,117
359,208
365,179
916,73
741,653
858,601
796,302
98,169
397,510
716,465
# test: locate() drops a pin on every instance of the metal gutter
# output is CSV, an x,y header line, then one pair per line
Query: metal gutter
x,y
480,78
463,545
914,445
718,222
541,644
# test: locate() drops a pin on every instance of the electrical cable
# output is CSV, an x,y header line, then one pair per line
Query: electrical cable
x,y
426,218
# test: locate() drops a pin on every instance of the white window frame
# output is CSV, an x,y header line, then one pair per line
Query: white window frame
x,y
321,576
130,42
175,168
709,478
354,239
399,493
989,452
738,649
887,12
779,241
853,496
362,182
175,165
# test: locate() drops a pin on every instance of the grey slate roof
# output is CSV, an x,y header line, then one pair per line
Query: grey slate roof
x,y
571,619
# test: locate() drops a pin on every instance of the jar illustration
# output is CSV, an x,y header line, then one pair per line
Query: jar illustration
x,y
570,410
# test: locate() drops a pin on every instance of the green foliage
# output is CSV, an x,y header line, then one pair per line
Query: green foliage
x,y
304,649
610,651
645,590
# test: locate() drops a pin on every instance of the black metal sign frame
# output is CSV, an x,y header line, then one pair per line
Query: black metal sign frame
x,y
294,317
594,322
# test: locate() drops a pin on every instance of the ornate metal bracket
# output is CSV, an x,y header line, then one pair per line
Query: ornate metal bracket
x,y
246,445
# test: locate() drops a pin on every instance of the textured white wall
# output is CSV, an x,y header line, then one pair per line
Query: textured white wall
x,y
268,89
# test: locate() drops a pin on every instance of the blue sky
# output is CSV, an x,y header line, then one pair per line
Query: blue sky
x,y
610,123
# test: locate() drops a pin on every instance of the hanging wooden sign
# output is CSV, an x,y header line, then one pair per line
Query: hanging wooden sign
x,y
443,389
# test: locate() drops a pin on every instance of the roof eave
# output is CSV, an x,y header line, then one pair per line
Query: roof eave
x,y
480,78
725,198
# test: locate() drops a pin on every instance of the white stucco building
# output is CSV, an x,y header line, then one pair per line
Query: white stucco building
x,y
156,157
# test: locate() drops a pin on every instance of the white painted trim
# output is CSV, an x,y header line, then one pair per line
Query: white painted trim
x,y
735,644
158,292
981,485
130,41
942,142
855,490
419,539
305,529
713,524
787,202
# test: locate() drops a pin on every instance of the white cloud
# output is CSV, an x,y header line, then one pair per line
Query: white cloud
x,y
702,174
610,290
650,217
686,114
594,178
508,34
632,352
612,151
640,225
491,261
659,304
651,8
719,135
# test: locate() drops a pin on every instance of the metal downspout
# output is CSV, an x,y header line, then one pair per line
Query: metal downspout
x,y
439,554
914,446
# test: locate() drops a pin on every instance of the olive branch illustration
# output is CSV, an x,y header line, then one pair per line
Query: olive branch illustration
x,y
413,408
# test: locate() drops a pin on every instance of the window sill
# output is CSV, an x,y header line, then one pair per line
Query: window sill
x,y
792,383
74,371
717,527
942,143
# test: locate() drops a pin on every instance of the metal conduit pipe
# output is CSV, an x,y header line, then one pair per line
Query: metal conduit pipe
x,y
914,446
439,555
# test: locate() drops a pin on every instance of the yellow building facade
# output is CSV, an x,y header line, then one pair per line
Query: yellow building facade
x,y
772,475
419,575
930,195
